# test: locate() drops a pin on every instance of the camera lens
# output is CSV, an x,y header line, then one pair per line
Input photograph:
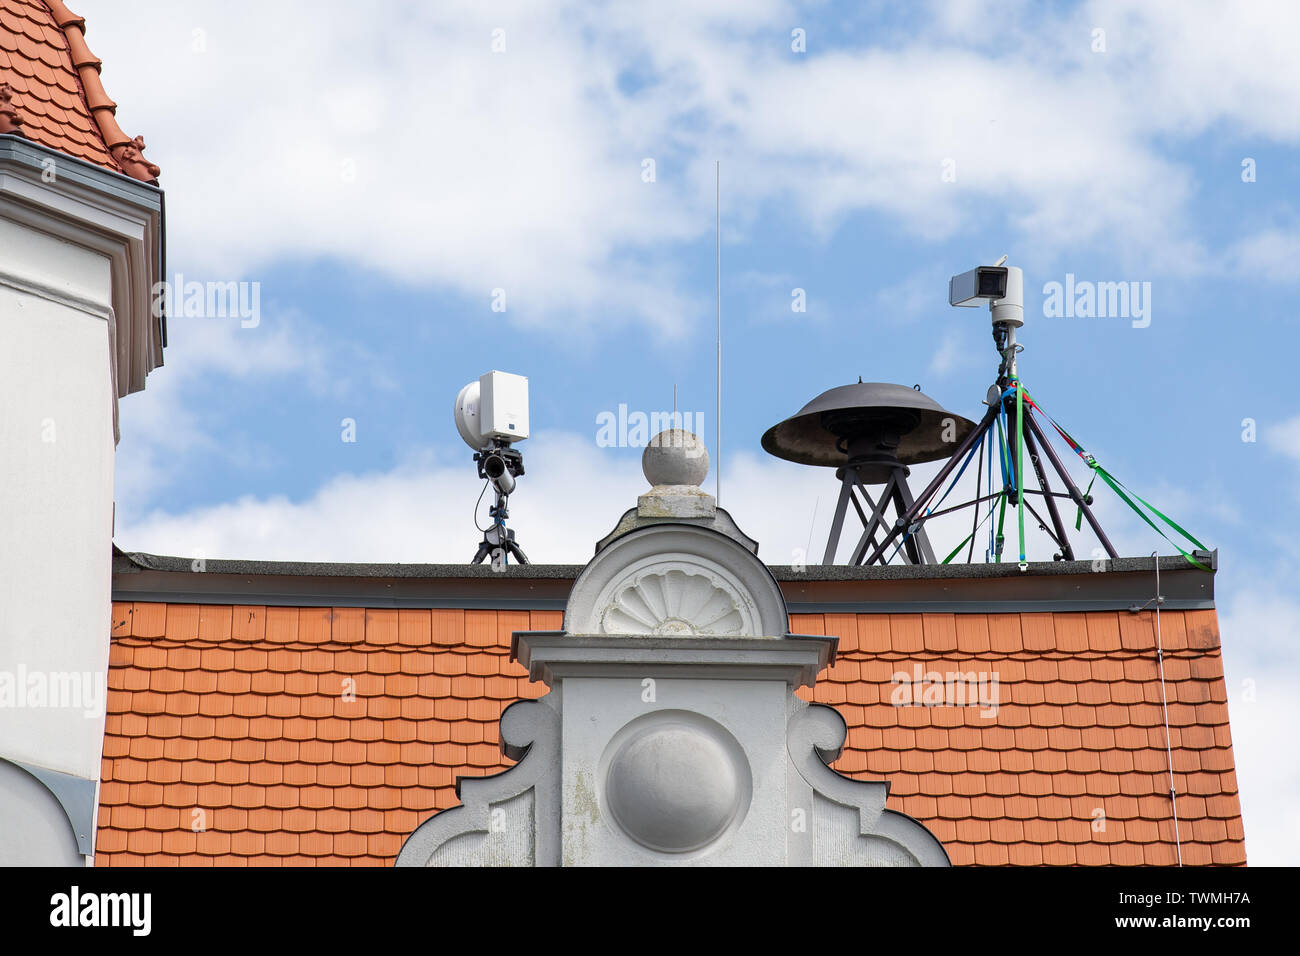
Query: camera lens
x,y
992,283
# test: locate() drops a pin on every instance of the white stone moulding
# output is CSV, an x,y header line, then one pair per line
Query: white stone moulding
x,y
671,734
847,823
111,214
676,579
677,597
514,818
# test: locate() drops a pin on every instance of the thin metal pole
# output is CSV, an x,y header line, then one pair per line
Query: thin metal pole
x,y
1164,705
808,549
918,545
837,522
717,471
979,474
1042,522
965,504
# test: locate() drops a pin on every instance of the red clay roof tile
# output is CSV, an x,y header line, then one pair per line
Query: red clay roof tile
x,y
353,778
58,98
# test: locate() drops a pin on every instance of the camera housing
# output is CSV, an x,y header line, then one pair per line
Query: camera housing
x,y
1002,287
495,408
984,282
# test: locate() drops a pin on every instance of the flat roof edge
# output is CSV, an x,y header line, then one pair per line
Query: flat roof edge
x,y
129,561
978,588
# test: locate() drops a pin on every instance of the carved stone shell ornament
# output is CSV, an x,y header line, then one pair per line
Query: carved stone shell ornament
x,y
675,602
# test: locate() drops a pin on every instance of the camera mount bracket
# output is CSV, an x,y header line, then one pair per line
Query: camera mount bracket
x,y
499,464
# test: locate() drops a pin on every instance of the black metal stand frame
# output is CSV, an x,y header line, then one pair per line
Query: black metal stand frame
x,y
911,520
498,540
896,492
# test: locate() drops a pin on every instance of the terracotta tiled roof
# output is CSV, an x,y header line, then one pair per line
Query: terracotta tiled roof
x,y
241,713
55,89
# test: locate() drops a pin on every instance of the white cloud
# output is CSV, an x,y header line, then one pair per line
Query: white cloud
x,y
571,496
400,142
1270,254
1199,63
1284,437
1259,629
948,355
165,429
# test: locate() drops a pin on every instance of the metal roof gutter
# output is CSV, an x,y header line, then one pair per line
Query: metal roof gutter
x,y
962,588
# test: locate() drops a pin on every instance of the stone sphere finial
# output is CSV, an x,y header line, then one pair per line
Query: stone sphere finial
x,y
675,457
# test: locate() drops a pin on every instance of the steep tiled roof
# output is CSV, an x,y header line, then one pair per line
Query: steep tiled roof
x,y
242,713
55,89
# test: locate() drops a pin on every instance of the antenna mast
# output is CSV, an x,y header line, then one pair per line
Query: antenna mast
x,y
717,470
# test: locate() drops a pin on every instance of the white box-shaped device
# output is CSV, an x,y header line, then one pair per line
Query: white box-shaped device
x,y
503,406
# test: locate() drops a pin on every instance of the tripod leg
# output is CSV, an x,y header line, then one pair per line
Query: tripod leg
x,y
862,516
906,520
877,520
1072,488
833,542
1067,552
517,551
907,543
918,544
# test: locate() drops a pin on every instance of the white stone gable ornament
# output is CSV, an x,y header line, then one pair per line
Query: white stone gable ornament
x,y
676,598
672,734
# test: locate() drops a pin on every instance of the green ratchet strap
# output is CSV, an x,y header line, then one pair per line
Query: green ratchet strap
x,y
1005,458
966,540
1118,487
1078,519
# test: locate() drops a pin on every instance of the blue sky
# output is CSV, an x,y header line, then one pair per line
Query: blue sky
x,y
380,178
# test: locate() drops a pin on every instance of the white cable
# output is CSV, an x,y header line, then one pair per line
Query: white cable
x,y
1164,706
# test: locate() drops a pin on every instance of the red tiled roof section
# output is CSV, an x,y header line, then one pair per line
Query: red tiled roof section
x,y
286,736
1071,766
55,89
317,736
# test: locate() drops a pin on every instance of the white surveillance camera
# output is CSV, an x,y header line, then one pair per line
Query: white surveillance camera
x,y
1001,286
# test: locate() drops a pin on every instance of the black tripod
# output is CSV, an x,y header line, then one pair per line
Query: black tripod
x,y
1001,401
500,465
498,540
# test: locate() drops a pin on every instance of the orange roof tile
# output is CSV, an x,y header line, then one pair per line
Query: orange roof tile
x,y
50,90
322,737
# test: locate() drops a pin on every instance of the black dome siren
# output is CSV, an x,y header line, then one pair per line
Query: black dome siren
x,y
870,433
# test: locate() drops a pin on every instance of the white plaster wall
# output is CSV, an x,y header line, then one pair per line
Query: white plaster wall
x,y
56,497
